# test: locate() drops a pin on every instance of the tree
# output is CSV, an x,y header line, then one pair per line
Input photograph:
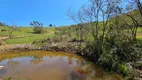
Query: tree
x,y
36,60
80,33
138,5
50,25
133,16
69,32
11,29
91,15
37,27
112,46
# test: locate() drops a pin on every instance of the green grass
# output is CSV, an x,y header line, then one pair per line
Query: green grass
x,y
27,33
21,31
139,30
139,35
139,38
29,36
28,39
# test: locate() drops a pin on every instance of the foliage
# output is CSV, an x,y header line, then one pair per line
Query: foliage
x,y
116,56
62,34
50,25
114,43
37,27
8,30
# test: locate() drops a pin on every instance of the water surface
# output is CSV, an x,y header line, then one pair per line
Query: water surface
x,y
45,65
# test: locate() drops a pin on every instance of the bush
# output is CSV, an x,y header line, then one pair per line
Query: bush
x,y
114,54
115,57
39,30
3,30
37,27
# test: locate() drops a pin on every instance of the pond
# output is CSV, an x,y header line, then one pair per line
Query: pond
x,y
46,65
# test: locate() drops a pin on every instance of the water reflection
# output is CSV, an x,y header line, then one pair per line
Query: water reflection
x,y
42,65
36,60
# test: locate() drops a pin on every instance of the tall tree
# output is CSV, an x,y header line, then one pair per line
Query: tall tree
x,y
133,16
92,14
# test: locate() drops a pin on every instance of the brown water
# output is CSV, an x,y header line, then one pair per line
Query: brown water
x,y
43,65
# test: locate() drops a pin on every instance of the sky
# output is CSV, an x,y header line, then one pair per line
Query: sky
x,y
22,12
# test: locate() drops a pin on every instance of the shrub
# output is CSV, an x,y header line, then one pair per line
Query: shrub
x,y
3,30
39,30
115,57
37,27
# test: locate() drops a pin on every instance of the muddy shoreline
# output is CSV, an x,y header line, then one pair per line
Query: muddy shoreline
x,y
17,47
49,47
59,47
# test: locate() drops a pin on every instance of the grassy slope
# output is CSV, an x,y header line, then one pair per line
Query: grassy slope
x,y
27,33
30,37
27,39
21,31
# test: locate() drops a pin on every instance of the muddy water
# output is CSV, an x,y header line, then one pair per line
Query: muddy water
x,y
43,65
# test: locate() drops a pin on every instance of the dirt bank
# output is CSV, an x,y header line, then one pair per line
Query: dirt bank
x,y
3,38
14,47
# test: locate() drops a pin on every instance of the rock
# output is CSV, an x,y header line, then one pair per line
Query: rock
x,y
1,67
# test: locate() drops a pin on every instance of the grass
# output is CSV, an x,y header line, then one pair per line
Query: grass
x,y
27,39
139,30
27,33
139,38
30,37
21,31
139,35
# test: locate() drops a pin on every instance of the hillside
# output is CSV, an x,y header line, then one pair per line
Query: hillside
x,y
23,35
26,34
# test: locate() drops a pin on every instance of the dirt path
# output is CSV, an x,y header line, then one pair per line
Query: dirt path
x,y
3,38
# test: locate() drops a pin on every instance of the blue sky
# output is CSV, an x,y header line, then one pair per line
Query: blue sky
x,y
22,12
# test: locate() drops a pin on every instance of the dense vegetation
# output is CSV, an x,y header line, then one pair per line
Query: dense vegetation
x,y
106,33
112,43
